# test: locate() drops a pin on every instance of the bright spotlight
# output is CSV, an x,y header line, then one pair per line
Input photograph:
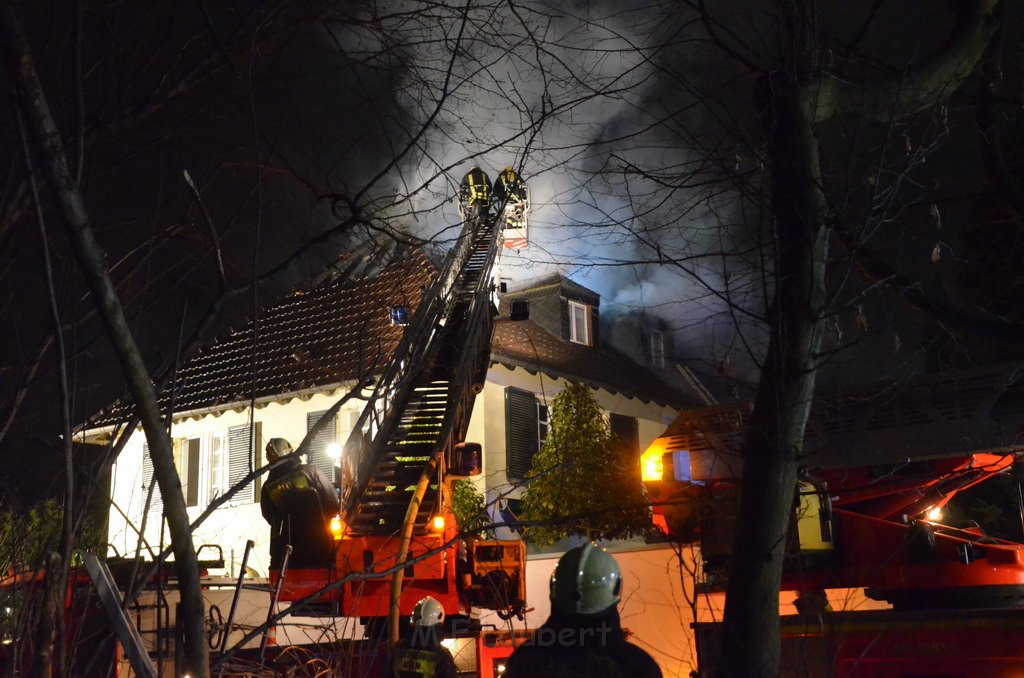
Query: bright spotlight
x,y
337,527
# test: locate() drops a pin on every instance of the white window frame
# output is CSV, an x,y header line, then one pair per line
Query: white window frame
x,y
216,465
579,323
657,340
543,423
213,478
180,446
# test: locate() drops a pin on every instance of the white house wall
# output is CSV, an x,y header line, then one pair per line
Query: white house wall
x,y
659,603
231,525
656,609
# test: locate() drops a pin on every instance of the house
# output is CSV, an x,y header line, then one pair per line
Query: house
x,y
532,361
312,347
277,377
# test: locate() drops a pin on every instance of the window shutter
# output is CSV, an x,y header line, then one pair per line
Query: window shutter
x,y
520,431
242,460
192,463
257,454
318,445
157,505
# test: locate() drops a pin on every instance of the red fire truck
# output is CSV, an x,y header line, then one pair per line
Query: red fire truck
x,y
396,540
881,465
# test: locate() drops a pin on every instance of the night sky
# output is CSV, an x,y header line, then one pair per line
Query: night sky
x,y
312,130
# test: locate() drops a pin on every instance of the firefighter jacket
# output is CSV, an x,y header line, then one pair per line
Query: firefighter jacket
x,y
581,646
509,187
421,655
305,524
476,188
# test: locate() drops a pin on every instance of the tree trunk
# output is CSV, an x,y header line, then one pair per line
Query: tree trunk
x,y
46,630
91,258
786,388
795,100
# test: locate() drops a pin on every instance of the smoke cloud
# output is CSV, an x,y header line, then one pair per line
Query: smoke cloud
x,y
580,98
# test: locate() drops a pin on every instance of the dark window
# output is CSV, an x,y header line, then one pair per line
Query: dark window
x,y
318,445
186,462
487,554
627,431
243,458
520,309
522,431
657,340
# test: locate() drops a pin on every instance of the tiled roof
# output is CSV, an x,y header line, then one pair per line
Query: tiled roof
x,y
526,344
310,339
336,333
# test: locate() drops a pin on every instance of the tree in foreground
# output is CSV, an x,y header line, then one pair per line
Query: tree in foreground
x,y
799,99
583,481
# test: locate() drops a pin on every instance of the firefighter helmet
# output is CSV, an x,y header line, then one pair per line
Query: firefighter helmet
x,y
587,580
428,612
277,448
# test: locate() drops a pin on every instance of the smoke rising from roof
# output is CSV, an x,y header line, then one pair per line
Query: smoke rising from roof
x,y
578,99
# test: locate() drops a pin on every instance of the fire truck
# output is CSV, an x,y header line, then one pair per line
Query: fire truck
x,y
881,465
396,539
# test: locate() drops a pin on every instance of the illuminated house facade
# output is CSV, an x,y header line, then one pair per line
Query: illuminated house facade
x,y
312,347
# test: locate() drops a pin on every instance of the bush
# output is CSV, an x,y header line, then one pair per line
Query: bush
x,y
469,508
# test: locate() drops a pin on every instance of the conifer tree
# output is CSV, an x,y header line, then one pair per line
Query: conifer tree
x,y
583,481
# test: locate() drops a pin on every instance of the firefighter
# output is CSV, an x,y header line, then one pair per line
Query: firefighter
x,y
508,186
583,635
510,197
420,653
298,501
476,189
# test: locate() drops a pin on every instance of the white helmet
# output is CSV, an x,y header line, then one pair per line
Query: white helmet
x,y
428,612
586,580
277,448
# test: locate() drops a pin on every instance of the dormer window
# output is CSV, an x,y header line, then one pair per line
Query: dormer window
x,y
579,323
657,339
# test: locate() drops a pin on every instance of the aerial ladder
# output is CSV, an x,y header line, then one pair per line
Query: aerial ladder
x,y
396,538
